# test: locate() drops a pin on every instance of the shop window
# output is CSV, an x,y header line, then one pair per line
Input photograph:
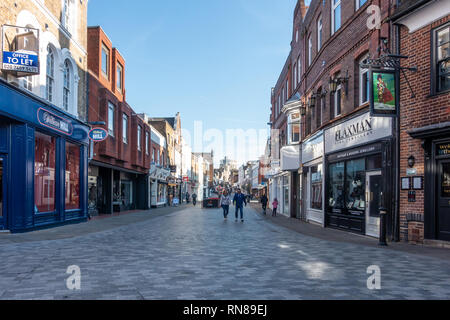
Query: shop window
x,y
286,194
336,186
72,191
374,162
441,64
355,184
44,172
126,190
316,187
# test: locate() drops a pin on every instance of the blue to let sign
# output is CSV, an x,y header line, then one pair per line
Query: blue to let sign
x,y
21,62
98,134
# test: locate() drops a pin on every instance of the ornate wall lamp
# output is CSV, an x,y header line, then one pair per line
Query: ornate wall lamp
x,y
334,83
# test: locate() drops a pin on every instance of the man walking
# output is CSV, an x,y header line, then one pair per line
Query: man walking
x,y
264,201
239,201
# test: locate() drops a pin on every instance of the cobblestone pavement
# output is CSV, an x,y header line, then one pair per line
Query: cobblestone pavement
x,y
195,254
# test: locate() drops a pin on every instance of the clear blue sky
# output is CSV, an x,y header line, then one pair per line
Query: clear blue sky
x,y
211,60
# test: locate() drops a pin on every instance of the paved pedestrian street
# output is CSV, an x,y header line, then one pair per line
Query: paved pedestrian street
x,y
194,254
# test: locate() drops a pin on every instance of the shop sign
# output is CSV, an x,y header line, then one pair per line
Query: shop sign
x,y
20,48
356,131
312,148
443,149
98,134
383,93
185,179
51,120
173,168
355,152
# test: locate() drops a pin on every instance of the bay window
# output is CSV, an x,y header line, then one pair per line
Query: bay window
x,y
293,128
139,129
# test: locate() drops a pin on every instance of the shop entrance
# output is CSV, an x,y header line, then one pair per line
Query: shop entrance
x,y
373,203
443,200
2,192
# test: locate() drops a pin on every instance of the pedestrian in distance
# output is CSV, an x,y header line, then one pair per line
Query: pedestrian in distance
x,y
264,201
274,206
239,201
187,197
225,202
194,198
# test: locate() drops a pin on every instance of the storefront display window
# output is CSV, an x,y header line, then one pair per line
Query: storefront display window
x,y
286,194
44,172
355,184
72,176
126,189
336,186
316,187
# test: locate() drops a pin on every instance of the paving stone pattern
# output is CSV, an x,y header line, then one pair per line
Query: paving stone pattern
x,y
195,254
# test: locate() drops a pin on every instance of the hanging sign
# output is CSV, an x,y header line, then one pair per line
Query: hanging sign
x,y
383,93
98,134
20,50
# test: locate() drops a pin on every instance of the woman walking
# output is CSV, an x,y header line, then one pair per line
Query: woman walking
x,y
225,202
274,206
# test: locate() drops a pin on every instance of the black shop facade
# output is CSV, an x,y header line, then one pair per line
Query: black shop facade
x,y
358,174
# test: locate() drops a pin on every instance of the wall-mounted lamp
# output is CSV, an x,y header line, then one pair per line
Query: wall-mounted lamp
x,y
302,110
312,100
411,161
333,84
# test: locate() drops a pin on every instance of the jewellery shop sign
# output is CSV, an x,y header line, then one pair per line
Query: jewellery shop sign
x,y
357,131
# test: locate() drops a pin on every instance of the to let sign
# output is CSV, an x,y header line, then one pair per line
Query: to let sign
x,y
98,134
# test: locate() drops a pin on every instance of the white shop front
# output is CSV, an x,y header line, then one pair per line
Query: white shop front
x,y
312,182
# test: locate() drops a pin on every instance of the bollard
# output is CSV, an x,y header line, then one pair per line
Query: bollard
x,y
382,238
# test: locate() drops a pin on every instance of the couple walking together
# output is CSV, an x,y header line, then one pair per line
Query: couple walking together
x,y
238,200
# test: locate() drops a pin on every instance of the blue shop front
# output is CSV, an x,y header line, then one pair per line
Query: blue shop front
x,y
43,163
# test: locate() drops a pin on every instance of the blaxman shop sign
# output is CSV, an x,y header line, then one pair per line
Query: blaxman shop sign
x,y
98,134
20,50
51,120
312,148
356,131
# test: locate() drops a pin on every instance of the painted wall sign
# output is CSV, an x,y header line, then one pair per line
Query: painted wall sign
x,y
356,131
98,134
312,148
383,93
20,47
51,120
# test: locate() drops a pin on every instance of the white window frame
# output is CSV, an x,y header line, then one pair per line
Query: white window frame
x,y
309,50
319,34
147,152
125,128
139,130
111,114
50,75
290,127
106,50
357,6
363,71
67,77
27,83
119,78
334,6
339,88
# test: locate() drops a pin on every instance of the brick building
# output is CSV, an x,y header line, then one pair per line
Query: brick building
x,y
43,135
423,36
119,166
331,148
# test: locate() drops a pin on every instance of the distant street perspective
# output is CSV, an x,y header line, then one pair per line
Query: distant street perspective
x,y
193,253
225,150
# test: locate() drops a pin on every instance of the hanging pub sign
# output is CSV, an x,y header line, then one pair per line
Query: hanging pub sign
x,y
20,50
383,93
98,134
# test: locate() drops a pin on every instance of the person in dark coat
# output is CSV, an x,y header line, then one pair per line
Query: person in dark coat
x,y
264,201
239,201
